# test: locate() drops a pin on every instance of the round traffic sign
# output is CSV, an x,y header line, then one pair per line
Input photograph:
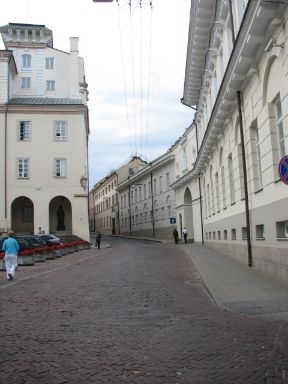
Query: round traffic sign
x,y
283,169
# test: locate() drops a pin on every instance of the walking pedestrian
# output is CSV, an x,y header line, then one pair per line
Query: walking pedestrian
x,y
185,234
98,239
11,248
175,235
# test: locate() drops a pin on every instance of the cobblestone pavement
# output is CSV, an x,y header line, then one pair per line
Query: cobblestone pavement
x,y
133,313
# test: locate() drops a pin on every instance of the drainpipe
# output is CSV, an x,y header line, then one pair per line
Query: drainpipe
x,y
232,21
152,205
249,248
5,168
129,204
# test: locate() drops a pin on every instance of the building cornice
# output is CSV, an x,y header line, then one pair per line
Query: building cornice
x,y
147,170
255,32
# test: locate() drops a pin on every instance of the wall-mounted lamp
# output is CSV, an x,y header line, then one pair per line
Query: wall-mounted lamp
x,y
275,23
252,71
271,44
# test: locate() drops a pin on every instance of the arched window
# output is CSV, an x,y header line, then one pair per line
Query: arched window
x,y
256,156
231,179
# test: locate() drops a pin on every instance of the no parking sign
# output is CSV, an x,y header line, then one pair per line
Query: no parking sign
x,y
283,169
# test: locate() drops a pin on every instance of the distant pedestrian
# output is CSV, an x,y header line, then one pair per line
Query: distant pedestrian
x,y
41,231
185,234
98,239
11,249
175,235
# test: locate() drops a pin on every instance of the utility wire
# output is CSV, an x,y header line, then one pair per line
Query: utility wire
x,y
141,79
124,80
149,78
133,76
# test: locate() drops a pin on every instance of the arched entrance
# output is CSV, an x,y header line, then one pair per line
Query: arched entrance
x,y
188,214
60,215
22,215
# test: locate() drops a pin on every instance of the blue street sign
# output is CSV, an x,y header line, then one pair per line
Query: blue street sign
x,y
283,169
172,220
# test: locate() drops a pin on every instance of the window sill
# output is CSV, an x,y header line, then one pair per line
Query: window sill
x,y
261,238
259,190
282,238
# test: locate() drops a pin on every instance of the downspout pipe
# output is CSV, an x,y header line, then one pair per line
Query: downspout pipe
x,y
129,204
199,176
246,197
232,21
5,167
152,205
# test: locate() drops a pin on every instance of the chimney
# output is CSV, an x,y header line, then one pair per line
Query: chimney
x,y
74,45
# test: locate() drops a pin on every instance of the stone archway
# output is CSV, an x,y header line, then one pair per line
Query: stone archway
x,y
60,215
22,215
188,214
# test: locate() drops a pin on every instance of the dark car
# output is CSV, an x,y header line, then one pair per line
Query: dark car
x,y
25,242
34,240
50,239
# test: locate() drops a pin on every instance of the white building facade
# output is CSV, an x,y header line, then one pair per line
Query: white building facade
x,y
236,80
44,132
147,202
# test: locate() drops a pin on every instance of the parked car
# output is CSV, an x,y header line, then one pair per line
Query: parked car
x,y
50,239
25,242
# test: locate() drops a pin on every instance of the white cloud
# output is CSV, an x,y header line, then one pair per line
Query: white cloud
x,y
97,26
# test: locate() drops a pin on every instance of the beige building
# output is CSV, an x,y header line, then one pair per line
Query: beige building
x,y
43,124
104,208
236,80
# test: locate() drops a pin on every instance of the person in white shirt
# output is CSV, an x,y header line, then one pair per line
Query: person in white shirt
x,y
185,234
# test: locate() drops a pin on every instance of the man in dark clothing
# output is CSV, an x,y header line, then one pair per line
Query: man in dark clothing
x,y
175,235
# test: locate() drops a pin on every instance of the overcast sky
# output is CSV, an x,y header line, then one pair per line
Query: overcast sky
x,y
135,66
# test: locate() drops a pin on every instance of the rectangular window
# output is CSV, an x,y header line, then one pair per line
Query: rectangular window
x,y
26,61
282,230
23,168
160,184
260,234
150,188
167,181
233,234
50,85
136,196
60,131
60,167
219,235
24,130
49,62
26,82
154,187
244,233
225,234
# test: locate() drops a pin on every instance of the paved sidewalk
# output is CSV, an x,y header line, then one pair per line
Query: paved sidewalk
x,y
236,287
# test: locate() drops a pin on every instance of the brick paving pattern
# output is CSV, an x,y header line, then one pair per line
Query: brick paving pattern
x,y
133,313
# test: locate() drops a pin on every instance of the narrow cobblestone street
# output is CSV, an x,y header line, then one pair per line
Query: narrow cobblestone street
x,y
133,313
